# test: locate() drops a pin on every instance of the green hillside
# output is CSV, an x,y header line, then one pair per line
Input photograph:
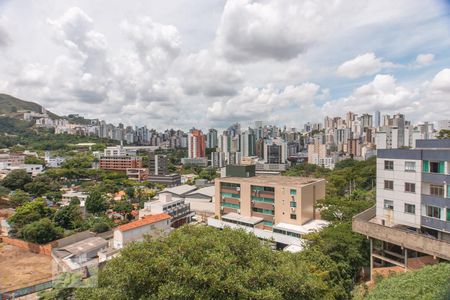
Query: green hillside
x,y
10,105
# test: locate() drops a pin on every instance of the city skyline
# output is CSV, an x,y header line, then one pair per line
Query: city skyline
x,y
209,65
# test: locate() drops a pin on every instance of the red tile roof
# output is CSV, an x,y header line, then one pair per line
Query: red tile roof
x,y
150,219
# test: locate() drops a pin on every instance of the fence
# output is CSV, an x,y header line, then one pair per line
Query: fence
x,y
26,290
32,247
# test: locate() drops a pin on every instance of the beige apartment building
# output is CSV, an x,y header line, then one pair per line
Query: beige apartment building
x,y
272,207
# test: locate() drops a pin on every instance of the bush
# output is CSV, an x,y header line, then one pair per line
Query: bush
x,y
101,227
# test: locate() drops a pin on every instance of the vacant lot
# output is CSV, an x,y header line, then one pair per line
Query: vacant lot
x,y
20,268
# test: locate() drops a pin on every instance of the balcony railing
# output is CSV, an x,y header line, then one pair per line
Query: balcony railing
x,y
399,236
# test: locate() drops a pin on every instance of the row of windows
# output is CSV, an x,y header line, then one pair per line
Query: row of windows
x,y
285,232
263,211
231,205
237,222
262,188
230,195
262,199
430,210
409,187
435,189
410,166
427,166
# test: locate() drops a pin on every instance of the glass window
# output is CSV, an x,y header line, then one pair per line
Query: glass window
x,y
388,184
426,166
293,204
433,212
437,190
293,192
293,216
410,166
388,204
410,208
448,214
389,165
268,223
410,187
434,167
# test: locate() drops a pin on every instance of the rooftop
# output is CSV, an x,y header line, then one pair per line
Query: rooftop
x,y
208,191
269,180
306,228
181,189
240,218
83,246
150,219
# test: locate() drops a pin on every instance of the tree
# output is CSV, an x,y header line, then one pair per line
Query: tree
x,y
4,191
19,198
42,231
41,185
123,207
68,217
16,179
34,160
30,212
443,134
428,283
96,203
199,262
101,227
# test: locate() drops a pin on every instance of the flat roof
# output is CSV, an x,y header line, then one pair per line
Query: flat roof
x,y
237,217
84,246
268,180
150,219
308,227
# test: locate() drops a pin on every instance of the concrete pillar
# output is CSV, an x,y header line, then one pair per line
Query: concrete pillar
x,y
406,259
371,258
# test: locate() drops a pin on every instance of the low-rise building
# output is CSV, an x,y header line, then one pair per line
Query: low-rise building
x,y
281,208
176,207
152,225
82,254
137,174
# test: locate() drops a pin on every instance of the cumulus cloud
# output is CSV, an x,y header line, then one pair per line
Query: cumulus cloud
x,y
363,65
253,103
424,59
205,73
441,82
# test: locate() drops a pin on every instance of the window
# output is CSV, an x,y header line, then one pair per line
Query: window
x,y
388,185
410,166
437,190
433,212
448,214
410,208
410,187
263,211
434,167
268,223
293,217
293,192
388,204
293,204
389,165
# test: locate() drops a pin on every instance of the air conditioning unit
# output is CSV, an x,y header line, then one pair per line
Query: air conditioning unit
x,y
238,188
238,211
293,209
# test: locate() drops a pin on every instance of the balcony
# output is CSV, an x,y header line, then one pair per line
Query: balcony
x,y
264,194
364,223
264,216
436,178
231,200
435,223
263,205
230,190
435,200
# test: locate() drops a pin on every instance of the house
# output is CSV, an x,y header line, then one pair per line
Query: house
x,y
79,255
202,200
175,206
153,225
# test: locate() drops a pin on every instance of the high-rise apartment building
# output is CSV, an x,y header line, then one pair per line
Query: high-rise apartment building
x,y
211,138
410,223
196,144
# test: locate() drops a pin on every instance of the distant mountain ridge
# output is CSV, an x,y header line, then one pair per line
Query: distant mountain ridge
x,y
10,106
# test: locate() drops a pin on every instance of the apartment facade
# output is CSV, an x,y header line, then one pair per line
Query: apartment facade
x,y
411,218
273,207
120,163
196,144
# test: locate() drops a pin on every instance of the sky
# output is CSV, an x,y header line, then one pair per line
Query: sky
x,y
208,63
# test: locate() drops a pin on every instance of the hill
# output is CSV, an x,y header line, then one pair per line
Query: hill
x,y
10,105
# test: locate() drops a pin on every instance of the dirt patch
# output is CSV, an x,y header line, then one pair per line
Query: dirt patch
x,y
21,268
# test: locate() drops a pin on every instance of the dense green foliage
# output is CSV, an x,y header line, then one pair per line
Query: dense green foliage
x,y
96,203
16,179
19,198
428,283
30,212
199,262
443,134
68,217
41,232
